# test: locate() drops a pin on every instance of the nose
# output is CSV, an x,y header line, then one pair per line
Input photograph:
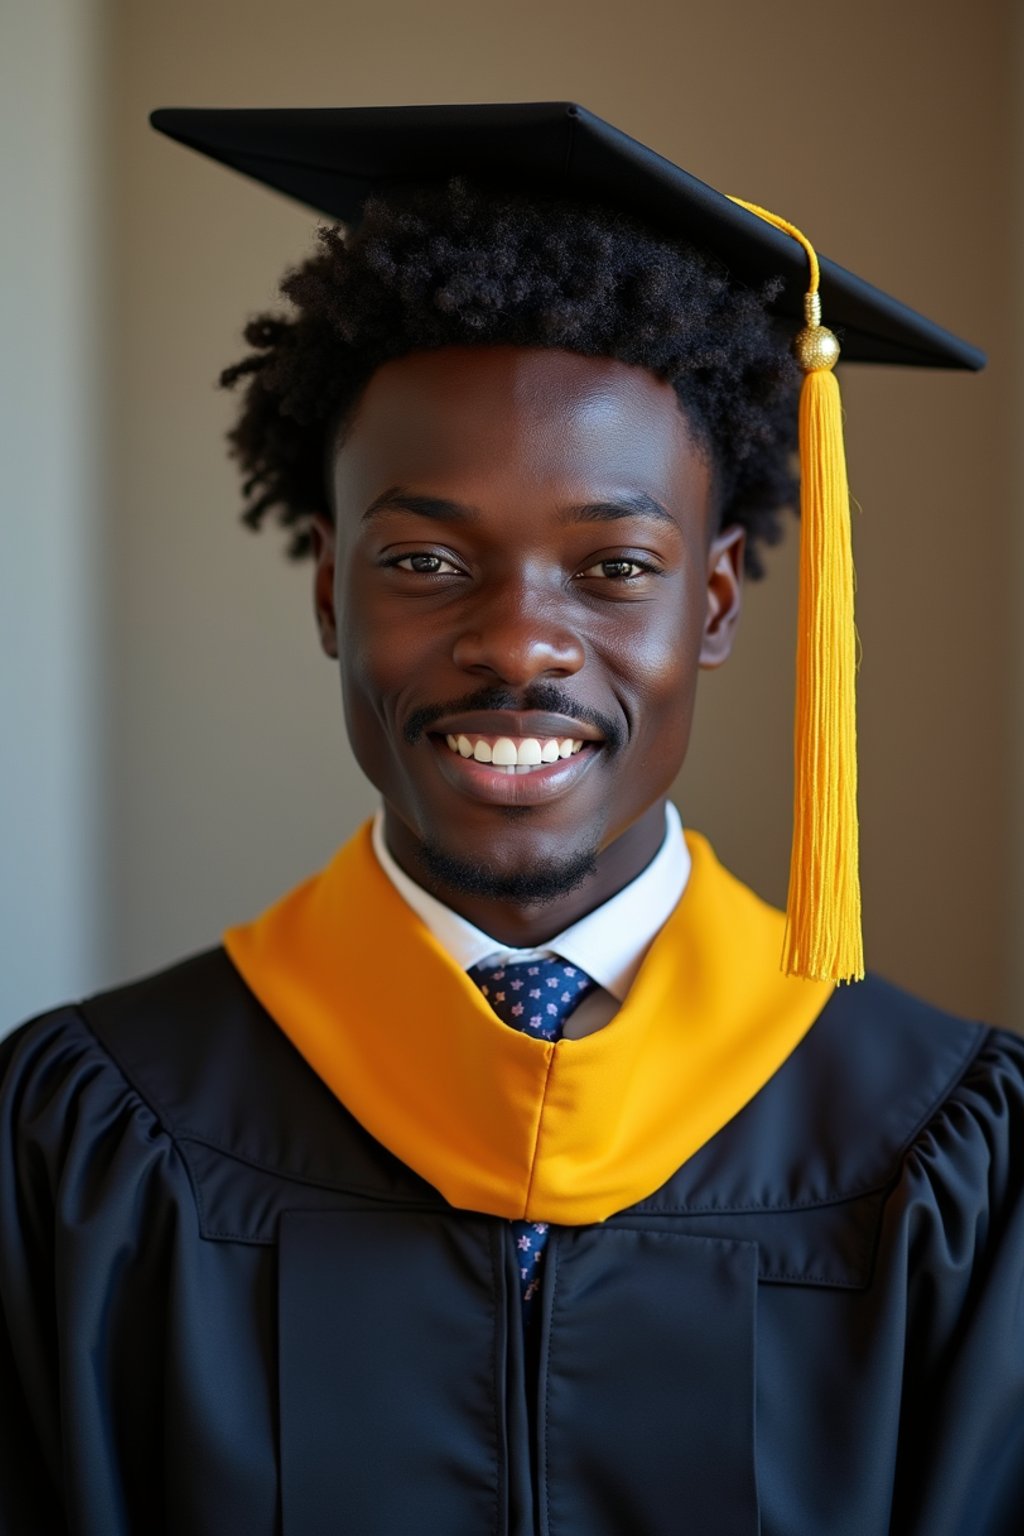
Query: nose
x,y
515,635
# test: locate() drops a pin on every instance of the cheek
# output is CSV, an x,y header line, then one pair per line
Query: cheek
x,y
660,667
369,662
372,653
366,686
663,657
381,661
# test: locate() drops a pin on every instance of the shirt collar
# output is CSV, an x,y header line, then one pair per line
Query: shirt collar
x,y
609,943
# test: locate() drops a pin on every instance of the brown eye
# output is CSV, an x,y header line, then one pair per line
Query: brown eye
x,y
425,565
620,570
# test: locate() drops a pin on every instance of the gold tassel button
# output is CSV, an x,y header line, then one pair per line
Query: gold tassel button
x,y
815,347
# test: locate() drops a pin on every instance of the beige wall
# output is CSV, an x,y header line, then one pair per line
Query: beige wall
x,y
882,128
51,225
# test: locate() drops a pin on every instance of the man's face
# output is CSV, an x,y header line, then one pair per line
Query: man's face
x,y
524,556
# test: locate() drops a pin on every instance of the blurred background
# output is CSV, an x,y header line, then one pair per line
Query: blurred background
x,y
171,743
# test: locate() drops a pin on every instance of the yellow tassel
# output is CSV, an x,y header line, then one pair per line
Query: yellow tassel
x,y
823,912
823,918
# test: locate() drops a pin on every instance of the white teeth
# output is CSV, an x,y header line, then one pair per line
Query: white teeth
x,y
515,756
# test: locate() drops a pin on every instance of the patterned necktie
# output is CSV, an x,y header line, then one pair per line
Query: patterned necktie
x,y
535,996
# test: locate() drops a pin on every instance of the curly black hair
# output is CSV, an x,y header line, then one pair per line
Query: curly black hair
x,y
454,264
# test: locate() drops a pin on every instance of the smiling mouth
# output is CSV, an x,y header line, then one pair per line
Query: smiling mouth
x,y
514,755
480,773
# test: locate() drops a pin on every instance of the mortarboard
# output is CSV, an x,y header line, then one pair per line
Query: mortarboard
x,y
332,158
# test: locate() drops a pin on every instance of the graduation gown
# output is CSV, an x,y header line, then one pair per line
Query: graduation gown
x,y
228,1307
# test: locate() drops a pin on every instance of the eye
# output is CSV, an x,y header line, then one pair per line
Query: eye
x,y
424,565
620,569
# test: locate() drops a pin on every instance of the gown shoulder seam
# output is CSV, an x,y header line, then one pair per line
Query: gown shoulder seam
x,y
984,1038
148,1098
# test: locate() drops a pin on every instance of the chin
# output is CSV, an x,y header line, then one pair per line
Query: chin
x,y
532,883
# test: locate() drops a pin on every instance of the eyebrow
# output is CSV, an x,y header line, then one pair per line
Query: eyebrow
x,y
397,500
438,507
637,505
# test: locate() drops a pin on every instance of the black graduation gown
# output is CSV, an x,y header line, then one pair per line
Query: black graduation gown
x,y
228,1309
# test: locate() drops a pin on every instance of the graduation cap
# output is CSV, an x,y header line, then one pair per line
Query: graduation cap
x,y
332,158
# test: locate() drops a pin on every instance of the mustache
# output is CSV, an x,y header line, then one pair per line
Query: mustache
x,y
548,697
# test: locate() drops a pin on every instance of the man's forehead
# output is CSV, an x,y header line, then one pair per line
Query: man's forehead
x,y
474,416
527,378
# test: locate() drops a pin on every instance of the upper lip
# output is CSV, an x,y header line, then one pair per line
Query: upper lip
x,y
517,724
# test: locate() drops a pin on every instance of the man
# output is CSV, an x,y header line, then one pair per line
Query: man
x,y
497,1180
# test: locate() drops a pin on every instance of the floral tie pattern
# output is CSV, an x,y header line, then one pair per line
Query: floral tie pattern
x,y
535,996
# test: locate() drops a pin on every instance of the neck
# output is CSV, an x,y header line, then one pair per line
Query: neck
x,y
529,925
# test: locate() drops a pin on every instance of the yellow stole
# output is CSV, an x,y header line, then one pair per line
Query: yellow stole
x,y
570,1131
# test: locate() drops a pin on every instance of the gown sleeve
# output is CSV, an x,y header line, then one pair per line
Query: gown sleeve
x,y
960,1213
89,1182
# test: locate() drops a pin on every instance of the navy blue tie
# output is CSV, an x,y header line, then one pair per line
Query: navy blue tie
x,y
535,996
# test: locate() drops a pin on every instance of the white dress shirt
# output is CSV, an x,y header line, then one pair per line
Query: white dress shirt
x,y
609,943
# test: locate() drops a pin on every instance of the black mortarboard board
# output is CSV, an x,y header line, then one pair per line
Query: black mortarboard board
x,y
332,158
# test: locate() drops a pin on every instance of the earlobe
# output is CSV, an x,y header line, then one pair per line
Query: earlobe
x,y
725,595
322,535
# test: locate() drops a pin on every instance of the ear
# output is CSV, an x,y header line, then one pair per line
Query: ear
x,y
725,595
321,532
